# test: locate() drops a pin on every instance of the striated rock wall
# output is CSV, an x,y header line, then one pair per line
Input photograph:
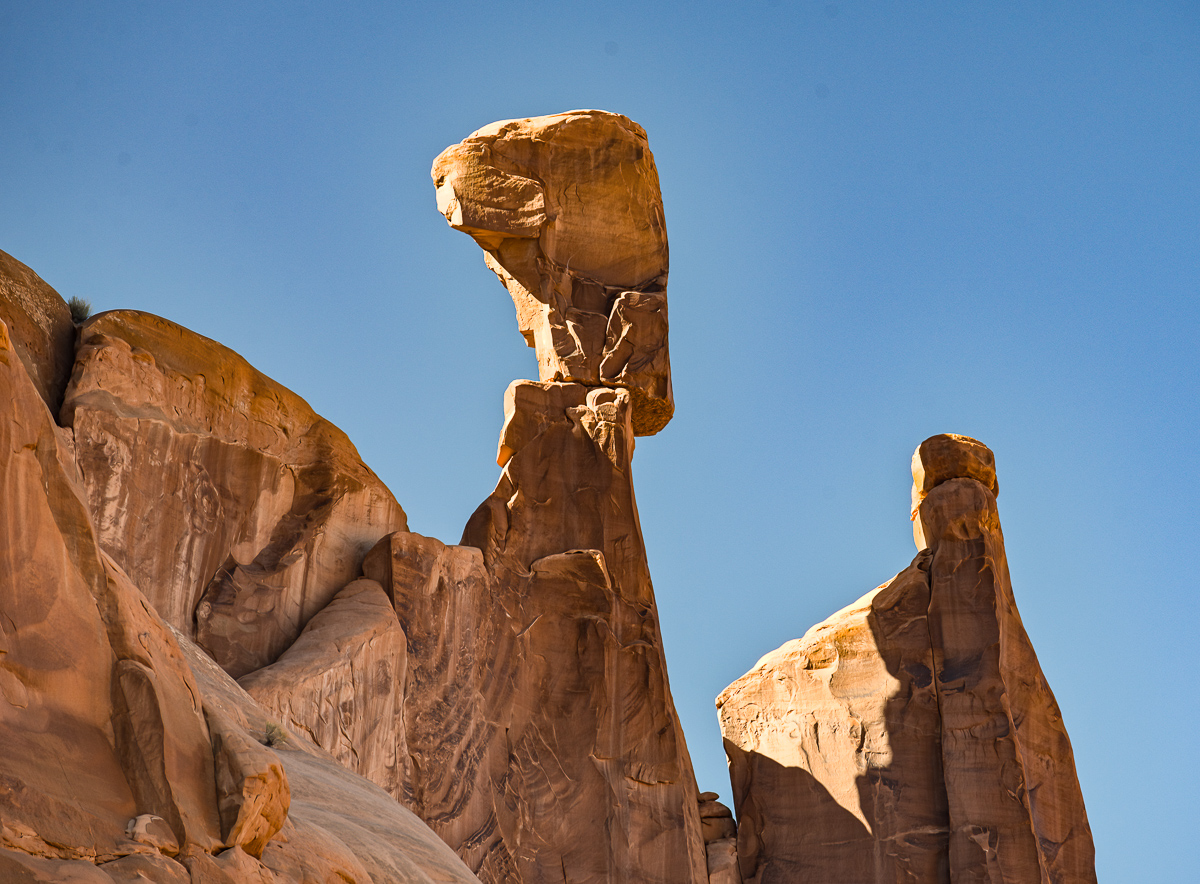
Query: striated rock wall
x,y
912,735
239,510
128,754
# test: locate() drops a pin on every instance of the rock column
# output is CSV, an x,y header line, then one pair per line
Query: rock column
x,y
544,740
912,736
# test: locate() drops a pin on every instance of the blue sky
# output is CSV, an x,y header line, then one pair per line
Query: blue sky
x,y
887,220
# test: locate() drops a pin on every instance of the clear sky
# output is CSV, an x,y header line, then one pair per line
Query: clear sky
x,y
887,220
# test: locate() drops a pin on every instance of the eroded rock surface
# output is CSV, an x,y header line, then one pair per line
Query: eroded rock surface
x,y
128,754
239,510
98,715
39,328
342,684
912,735
568,209
537,704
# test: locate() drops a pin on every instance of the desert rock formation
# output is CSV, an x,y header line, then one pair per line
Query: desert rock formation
x,y
538,636
128,753
224,658
568,210
239,511
912,735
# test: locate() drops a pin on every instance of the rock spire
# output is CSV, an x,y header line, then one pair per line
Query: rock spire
x,y
912,736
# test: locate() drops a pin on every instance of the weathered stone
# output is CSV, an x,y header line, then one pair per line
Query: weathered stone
x,y
948,456
568,209
39,327
912,736
238,510
1016,810
21,868
537,704
723,862
342,684
87,676
252,789
144,868
338,824
833,744
107,757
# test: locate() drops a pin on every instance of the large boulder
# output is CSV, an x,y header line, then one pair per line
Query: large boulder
x,y
567,208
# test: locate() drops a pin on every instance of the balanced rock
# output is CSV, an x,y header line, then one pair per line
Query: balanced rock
x,y
237,509
568,209
912,735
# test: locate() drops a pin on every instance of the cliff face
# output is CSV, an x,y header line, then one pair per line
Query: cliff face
x,y
912,736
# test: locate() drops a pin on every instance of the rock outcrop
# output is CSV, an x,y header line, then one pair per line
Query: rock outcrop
x,y
237,509
39,328
128,754
912,735
225,659
537,638
568,210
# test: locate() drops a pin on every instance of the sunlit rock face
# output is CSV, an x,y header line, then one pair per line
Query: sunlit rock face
x,y
39,328
238,509
912,735
568,209
538,636
129,754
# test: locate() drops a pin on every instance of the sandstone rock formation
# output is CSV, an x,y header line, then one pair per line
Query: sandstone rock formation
x,y
128,754
39,327
567,208
912,735
342,685
237,509
225,659
538,637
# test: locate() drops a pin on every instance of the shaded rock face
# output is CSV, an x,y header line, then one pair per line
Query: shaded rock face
x,y
39,328
912,735
568,209
238,509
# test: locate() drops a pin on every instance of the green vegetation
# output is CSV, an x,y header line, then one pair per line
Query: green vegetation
x,y
274,735
80,309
